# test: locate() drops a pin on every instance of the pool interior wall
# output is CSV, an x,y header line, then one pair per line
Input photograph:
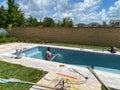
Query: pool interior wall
x,y
106,61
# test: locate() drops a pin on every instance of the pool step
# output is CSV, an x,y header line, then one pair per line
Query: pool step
x,y
37,54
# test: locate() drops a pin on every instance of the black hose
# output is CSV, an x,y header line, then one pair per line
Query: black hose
x,y
85,78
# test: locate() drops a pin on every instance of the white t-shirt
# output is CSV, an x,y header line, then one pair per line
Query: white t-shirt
x,y
49,54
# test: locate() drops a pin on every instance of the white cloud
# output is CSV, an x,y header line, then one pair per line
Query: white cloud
x,y
114,11
37,8
58,9
80,12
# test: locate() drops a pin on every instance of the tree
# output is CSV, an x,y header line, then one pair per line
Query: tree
x,y
31,21
59,24
71,24
2,16
14,14
40,23
104,23
67,22
48,22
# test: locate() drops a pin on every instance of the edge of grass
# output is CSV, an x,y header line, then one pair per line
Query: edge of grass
x,y
8,70
95,47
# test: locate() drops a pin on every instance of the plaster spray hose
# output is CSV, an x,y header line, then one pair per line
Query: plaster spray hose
x,y
74,70
20,81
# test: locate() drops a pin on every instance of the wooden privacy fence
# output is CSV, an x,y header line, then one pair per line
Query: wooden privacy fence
x,y
108,36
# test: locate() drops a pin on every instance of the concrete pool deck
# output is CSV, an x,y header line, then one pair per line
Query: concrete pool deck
x,y
109,79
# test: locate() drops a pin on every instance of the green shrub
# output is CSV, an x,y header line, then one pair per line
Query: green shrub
x,y
3,40
7,40
34,40
2,36
12,39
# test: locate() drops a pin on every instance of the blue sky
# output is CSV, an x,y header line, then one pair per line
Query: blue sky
x,y
1,1
81,11
106,4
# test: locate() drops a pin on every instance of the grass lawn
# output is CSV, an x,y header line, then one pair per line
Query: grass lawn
x,y
20,72
102,48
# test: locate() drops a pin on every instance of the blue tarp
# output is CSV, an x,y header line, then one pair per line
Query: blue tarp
x,y
3,31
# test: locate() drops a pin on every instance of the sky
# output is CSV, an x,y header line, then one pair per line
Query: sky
x,y
80,11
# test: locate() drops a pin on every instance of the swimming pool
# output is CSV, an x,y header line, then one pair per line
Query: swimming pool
x,y
104,61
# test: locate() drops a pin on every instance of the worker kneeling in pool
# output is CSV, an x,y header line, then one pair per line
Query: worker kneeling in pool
x,y
49,54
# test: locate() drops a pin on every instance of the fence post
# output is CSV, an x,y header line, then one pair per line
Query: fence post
x,y
10,28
